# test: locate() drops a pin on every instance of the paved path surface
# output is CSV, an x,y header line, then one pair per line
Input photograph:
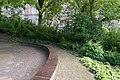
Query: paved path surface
x,y
18,62
69,67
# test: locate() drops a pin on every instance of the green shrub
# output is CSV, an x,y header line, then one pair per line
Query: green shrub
x,y
93,50
45,33
17,27
111,40
86,27
112,57
102,71
4,24
69,45
67,35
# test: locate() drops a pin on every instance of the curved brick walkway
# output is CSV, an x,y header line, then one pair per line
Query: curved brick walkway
x,y
69,67
18,61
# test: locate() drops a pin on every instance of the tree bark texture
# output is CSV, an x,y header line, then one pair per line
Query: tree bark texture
x,y
40,2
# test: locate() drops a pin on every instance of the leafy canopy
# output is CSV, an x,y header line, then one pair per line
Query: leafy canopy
x,y
110,9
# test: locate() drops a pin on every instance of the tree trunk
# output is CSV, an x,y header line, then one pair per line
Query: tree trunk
x,y
40,18
40,2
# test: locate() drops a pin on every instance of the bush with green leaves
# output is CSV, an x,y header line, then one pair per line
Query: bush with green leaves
x,y
86,27
83,29
112,57
69,45
44,33
95,51
102,71
17,27
70,37
111,39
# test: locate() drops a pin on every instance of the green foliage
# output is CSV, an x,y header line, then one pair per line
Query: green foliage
x,y
90,7
112,57
15,26
26,29
69,45
50,9
102,71
68,36
44,33
95,51
16,3
110,9
87,27
111,39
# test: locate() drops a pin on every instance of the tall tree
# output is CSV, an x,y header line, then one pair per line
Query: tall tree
x,y
49,8
110,9
40,2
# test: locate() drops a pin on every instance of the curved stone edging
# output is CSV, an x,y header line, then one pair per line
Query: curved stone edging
x,y
48,70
